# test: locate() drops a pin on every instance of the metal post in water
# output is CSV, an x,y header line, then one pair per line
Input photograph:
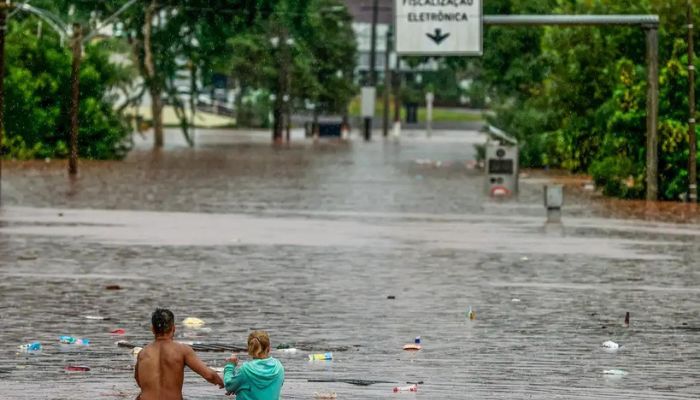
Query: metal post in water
x,y
553,202
692,135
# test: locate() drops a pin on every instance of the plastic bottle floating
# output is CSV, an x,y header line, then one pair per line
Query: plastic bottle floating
x,y
471,314
412,388
321,356
30,347
74,341
191,322
413,346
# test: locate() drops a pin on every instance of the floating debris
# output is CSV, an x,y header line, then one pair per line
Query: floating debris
x,y
96,318
356,382
113,287
77,368
321,356
30,347
610,345
615,372
471,314
411,388
192,322
325,396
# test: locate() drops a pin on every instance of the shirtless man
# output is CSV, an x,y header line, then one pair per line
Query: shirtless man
x,y
160,366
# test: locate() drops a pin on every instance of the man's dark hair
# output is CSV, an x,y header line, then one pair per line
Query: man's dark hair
x,y
162,320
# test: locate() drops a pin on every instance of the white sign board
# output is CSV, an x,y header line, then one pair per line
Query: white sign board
x,y
439,27
369,96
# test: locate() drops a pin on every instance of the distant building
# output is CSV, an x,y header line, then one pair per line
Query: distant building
x,y
361,11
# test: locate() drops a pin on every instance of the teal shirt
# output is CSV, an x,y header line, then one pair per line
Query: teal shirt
x,y
255,380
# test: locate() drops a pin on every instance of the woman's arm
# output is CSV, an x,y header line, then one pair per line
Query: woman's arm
x,y
233,379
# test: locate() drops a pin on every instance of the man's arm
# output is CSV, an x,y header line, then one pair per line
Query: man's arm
x,y
198,366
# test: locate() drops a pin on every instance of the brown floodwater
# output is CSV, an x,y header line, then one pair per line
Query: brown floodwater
x,y
309,241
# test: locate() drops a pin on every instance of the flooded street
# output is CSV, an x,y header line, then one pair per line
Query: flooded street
x,y
310,242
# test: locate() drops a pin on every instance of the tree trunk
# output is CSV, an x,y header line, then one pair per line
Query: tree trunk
x,y
154,86
277,121
75,98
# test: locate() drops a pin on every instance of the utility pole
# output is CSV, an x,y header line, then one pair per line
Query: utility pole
x,y
387,82
3,29
372,63
692,136
77,47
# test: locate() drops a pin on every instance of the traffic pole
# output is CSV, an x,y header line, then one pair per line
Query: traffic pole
x,y
387,82
692,135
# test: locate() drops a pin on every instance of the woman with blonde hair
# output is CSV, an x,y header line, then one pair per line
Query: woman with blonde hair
x,y
261,378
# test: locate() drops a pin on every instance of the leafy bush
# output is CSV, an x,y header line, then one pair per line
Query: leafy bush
x,y
37,99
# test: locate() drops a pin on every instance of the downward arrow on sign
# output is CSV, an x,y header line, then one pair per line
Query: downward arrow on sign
x,y
438,36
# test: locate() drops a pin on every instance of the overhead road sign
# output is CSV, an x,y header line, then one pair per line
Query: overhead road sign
x,y
439,27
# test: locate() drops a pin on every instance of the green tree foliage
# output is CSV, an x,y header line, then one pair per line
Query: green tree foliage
x,y
576,96
37,93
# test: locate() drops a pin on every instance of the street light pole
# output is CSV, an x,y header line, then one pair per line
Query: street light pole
x,y
387,82
692,136
77,48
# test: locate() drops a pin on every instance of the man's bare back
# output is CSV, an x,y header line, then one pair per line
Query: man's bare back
x,y
160,368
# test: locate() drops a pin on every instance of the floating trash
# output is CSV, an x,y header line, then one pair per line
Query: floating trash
x,y
136,350
77,368
411,388
118,332
516,300
113,287
471,314
96,318
413,346
321,356
290,350
610,345
524,259
192,322
627,318
325,396
30,347
73,340
391,297
614,372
